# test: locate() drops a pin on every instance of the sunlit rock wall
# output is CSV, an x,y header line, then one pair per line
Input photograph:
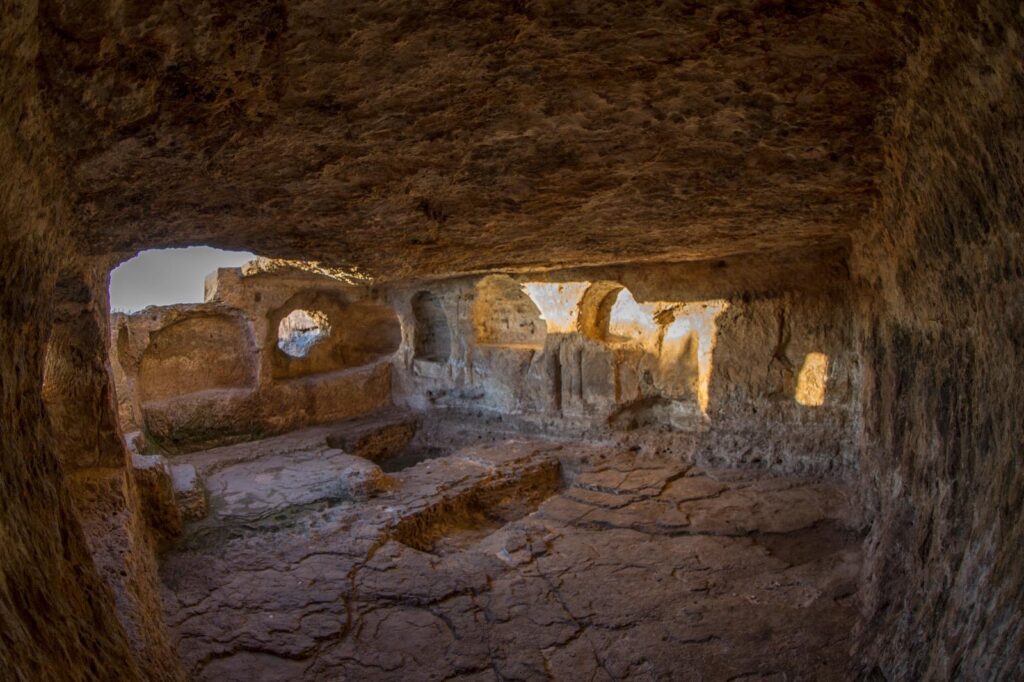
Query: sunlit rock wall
x,y
942,328
199,375
741,361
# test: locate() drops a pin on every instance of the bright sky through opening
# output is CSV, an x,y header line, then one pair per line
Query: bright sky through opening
x,y
168,276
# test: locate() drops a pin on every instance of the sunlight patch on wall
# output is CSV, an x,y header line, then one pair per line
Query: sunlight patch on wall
x,y
694,324
810,386
559,303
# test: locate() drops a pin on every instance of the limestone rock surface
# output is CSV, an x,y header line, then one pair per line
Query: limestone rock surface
x,y
488,564
158,495
472,135
418,140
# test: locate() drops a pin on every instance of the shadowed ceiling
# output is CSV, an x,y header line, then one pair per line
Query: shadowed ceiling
x,y
421,138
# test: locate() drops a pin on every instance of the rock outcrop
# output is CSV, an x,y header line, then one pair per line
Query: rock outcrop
x,y
514,559
855,165
941,267
195,376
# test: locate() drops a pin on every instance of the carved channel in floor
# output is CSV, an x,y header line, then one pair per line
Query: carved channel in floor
x,y
453,524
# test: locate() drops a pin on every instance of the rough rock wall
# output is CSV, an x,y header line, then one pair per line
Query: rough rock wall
x,y
471,135
503,314
200,375
196,354
942,333
762,408
75,386
57,620
713,354
78,395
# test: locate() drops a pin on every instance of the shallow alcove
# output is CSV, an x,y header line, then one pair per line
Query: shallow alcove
x,y
595,309
679,360
432,335
504,315
190,382
199,353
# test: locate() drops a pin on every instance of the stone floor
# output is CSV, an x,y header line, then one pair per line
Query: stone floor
x,y
514,560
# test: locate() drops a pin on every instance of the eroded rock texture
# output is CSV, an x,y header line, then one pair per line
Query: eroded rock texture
x,y
943,333
855,165
510,560
199,375
57,615
707,359
471,135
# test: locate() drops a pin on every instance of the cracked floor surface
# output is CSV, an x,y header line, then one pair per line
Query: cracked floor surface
x,y
515,560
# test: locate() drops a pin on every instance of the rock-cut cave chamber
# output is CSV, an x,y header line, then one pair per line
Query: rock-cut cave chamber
x,y
603,341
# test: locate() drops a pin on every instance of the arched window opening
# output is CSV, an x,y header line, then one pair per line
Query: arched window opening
x,y
300,330
320,331
595,307
609,313
432,337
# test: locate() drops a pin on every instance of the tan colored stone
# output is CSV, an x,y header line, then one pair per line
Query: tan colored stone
x,y
375,442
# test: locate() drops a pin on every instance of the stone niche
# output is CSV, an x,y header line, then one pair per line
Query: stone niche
x,y
209,351
432,334
505,315
185,374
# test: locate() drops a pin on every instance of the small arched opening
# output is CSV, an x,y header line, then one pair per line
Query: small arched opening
x,y
316,332
609,313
